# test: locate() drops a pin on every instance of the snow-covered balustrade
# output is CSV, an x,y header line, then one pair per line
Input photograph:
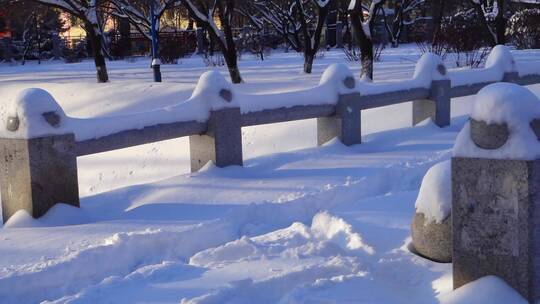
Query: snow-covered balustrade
x,y
37,136
500,66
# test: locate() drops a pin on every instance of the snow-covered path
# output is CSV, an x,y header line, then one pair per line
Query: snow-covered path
x,y
316,225
187,235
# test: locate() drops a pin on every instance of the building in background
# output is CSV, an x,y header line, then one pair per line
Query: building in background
x,y
5,29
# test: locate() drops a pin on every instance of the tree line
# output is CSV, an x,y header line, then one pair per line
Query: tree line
x,y
299,23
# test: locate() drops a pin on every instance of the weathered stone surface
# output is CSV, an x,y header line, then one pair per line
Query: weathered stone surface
x,y
422,110
285,114
436,107
432,240
489,136
222,143
496,222
12,123
38,173
134,137
345,124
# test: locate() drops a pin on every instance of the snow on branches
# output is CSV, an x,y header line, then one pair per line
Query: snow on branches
x,y
204,14
140,14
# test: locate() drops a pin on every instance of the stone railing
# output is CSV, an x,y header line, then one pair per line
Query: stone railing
x,y
480,209
40,143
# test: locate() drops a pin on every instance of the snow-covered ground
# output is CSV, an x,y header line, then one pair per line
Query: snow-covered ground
x,y
296,224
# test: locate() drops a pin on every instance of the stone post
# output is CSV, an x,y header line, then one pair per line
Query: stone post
x,y
200,40
37,171
496,195
437,105
222,141
221,144
345,124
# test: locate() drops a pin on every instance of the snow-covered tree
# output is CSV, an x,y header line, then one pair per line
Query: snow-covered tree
x,y
494,16
293,21
403,15
312,38
524,29
142,14
88,12
203,12
139,13
280,15
363,23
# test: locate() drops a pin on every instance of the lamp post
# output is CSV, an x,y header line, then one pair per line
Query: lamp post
x,y
155,60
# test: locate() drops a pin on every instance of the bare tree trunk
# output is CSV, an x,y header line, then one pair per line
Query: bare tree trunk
x,y
308,62
438,13
229,49
500,22
311,44
364,42
232,65
480,12
397,24
331,24
97,52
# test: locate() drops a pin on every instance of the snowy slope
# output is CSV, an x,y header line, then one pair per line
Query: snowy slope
x,y
315,225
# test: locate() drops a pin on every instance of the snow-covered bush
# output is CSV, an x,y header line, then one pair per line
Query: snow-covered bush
x,y
213,60
464,35
76,53
524,29
353,54
258,43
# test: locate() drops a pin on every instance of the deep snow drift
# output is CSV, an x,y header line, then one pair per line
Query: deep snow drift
x,y
296,224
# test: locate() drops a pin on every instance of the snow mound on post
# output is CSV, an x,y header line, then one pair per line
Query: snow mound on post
x,y
430,67
503,103
501,60
214,91
328,236
435,196
340,77
486,290
33,113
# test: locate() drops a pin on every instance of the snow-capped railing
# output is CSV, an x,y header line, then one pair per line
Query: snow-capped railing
x,y
41,141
